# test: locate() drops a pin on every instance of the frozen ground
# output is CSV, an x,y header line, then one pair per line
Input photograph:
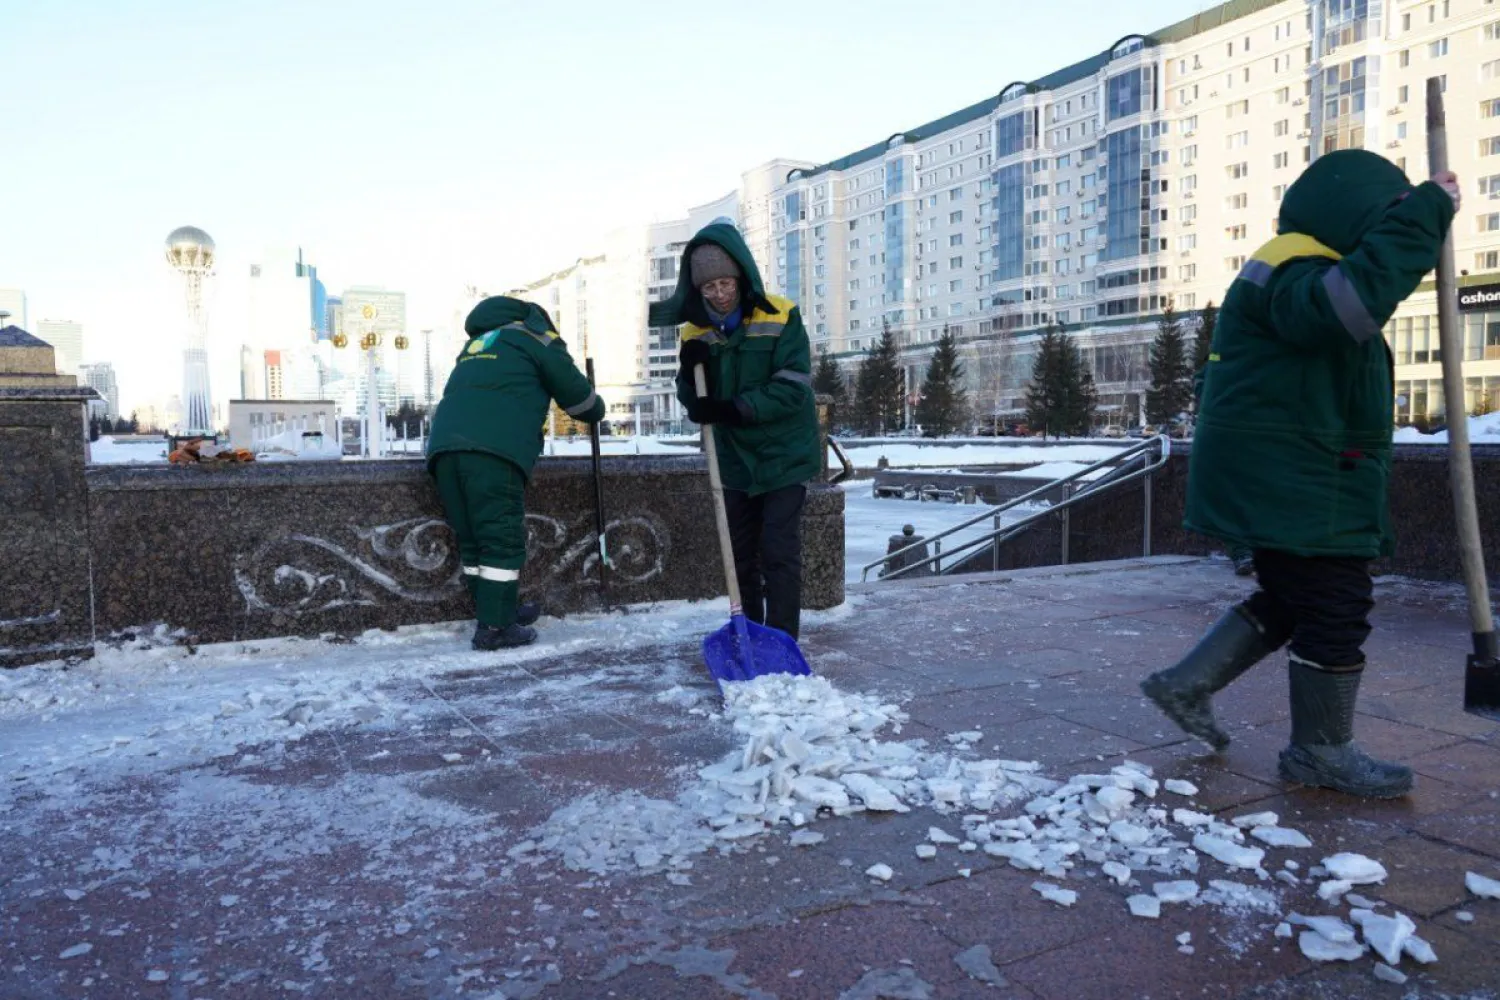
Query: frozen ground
x,y
108,451
869,523
971,793
1482,430
906,454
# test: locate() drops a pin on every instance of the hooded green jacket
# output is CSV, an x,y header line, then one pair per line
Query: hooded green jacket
x,y
1292,450
503,382
764,366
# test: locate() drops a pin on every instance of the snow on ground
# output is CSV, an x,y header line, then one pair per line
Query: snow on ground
x,y
1482,430
869,523
908,454
108,451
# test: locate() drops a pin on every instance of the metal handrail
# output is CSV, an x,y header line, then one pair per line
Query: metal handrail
x,y
1000,533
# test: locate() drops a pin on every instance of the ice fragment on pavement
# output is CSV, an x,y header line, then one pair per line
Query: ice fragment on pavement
x,y
228,900
926,851
1355,899
76,950
157,976
1175,892
1280,836
1179,787
1129,834
453,758
1386,935
938,835
1482,886
74,894
805,838
1185,937
1331,928
1420,950
1318,948
1333,889
1142,905
1251,820
966,872
1355,868
1386,974
1464,917
1233,855
968,846
1188,817
882,872
977,964
1055,893
1283,930
1114,800
1291,866
1120,873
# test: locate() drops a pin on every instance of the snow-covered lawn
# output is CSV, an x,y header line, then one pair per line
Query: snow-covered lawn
x,y
869,523
1482,430
908,455
108,451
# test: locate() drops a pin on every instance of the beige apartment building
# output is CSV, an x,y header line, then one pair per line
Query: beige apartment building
x,y
1146,175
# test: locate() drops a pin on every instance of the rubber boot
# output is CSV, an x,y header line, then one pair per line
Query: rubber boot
x,y
488,638
1233,646
1322,752
527,612
1244,564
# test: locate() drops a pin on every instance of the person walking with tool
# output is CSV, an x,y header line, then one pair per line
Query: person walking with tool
x,y
760,402
1293,454
485,439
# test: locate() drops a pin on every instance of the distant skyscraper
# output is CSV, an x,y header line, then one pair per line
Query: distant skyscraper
x,y
101,378
13,301
288,311
190,252
275,376
333,316
66,338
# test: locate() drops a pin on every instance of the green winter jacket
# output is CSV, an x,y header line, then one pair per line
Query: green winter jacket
x,y
497,398
764,366
1292,449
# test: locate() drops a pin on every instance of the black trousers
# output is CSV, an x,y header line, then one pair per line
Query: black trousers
x,y
1319,604
765,532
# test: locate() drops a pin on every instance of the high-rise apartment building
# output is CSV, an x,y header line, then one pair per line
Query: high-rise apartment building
x,y
66,338
13,301
287,310
100,377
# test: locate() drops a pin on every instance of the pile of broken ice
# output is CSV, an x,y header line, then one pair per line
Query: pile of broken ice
x,y
811,751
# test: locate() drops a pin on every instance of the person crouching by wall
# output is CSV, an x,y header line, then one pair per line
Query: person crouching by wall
x,y
486,436
758,362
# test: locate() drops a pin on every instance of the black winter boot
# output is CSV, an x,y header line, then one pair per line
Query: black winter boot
x,y
527,612
1233,646
1322,752
487,638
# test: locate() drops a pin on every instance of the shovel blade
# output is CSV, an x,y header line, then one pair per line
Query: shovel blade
x,y
1482,687
743,650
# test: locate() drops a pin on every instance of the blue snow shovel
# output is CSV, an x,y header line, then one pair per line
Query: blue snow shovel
x,y
741,650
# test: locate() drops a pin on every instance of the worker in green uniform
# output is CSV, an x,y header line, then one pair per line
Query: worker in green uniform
x,y
486,436
1292,455
755,353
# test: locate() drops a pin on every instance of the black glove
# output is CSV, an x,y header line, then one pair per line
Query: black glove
x,y
715,411
692,354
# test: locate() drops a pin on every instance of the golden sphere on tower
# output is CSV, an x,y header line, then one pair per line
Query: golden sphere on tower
x,y
340,340
401,342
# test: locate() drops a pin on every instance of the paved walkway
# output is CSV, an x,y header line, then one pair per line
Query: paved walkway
x,y
361,862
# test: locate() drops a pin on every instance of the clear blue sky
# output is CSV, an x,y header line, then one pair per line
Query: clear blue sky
x,y
424,146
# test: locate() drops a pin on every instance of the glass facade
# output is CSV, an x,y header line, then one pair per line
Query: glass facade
x,y
1345,22
895,249
794,263
793,207
1126,228
895,178
1343,96
1011,134
1124,95
1010,215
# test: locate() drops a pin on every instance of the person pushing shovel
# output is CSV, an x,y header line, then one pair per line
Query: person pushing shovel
x,y
485,439
1293,453
756,355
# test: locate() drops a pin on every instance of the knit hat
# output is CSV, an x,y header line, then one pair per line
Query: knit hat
x,y
710,261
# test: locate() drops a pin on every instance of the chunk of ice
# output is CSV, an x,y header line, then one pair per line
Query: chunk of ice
x,y
805,838
882,872
76,950
1331,928
938,835
1179,787
1175,892
1386,935
1055,893
1386,974
1190,818
926,851
1142,905
1482,886
1420,950
1355,869
1233,855
1279,836
1115,870
1318,948
1251,820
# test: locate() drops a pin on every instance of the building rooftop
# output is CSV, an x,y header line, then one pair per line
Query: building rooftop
x,y
14,336
1215,17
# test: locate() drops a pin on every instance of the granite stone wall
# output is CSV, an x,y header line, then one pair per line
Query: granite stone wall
x,y
309,548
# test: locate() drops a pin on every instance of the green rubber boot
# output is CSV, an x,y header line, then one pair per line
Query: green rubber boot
x,y
1183,692
1322,752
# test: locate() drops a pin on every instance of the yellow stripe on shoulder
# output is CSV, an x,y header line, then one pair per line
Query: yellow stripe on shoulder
x,y
692,331
1292,245
783,311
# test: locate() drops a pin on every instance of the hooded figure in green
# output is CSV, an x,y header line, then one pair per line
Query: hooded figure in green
x,y
755,353
485,439
1292,453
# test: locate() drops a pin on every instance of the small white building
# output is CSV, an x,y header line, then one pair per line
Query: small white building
x,y
256,423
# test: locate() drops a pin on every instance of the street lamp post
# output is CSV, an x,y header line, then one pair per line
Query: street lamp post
x,y
374,432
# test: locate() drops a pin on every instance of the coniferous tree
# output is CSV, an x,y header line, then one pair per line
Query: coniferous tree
x,y
93,428
880,388
1080,397
828,380
1208,317
1171,375
943,407
1061,398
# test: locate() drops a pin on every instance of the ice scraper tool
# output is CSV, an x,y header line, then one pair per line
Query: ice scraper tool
x,y
1482,673
599,523
741,650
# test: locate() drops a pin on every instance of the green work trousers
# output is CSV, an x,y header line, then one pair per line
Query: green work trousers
x,y
484,498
